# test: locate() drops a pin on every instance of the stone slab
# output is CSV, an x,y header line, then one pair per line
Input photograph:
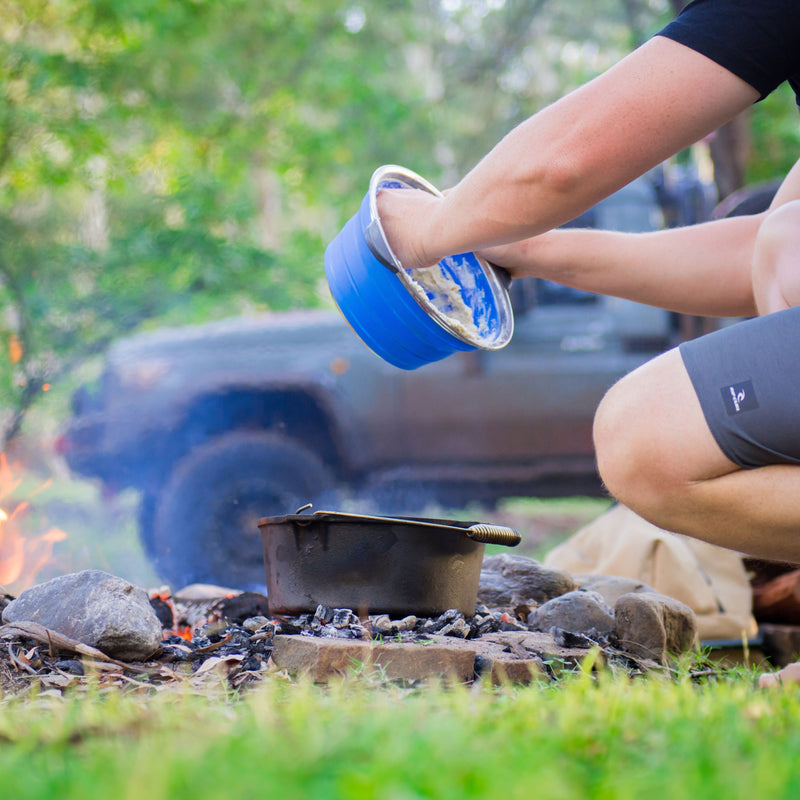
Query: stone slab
x,y
414,661
322,659
440,658
498,661
539,642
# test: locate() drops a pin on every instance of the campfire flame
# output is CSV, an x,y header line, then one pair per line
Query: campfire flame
x,y
177,628
22,556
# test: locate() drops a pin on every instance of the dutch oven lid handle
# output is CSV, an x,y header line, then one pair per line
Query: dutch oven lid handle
x,y
479,532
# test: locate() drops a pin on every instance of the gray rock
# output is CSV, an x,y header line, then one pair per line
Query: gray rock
x,y
651,625
95,608
508,580
577,612
611,587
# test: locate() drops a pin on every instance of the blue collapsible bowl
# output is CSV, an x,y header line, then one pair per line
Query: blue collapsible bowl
x,y
404,324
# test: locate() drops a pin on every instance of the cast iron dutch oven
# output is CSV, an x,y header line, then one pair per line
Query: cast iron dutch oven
x,y
375,565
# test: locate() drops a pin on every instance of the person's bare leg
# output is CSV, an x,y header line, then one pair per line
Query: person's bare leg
x,y
790,674
656,455
776,285
776,260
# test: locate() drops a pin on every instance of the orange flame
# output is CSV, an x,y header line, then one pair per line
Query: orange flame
x,y
21,556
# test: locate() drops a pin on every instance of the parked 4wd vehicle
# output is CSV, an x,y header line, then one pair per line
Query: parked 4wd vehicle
x,y
221,424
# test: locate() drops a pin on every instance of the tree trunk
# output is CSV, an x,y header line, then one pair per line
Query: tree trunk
x,y
730,154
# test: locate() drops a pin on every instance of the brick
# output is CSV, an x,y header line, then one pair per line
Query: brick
x,y
515,670
319,658
323,659
417,661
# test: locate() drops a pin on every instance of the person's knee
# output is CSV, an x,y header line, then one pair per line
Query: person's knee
x,y
624,449
775,274
639,451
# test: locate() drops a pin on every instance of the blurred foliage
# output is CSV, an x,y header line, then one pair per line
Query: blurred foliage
x,y
176,160
775,128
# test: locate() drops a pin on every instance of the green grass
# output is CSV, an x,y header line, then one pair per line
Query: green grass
x,y
580,738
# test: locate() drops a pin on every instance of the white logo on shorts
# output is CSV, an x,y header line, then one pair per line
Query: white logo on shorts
x,y
738,398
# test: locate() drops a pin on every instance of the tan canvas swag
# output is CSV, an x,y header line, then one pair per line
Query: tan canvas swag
x,y
711,580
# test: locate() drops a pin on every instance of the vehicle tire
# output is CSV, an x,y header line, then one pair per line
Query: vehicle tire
x,y
205,528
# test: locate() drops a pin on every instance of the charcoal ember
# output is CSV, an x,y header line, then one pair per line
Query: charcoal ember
x,y
171,653
252,663
481,610
165,612
215,631
71,665
428,626
267,630
238,608
447,618
458,628
290,626
506,623
179,641
343,617
200,641
382,625
237,640
353,632
254,624
407,623
362,630
599,637
479,625
324,614
570,639
261,646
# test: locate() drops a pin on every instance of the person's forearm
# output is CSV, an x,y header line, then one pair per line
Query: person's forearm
x,y
702,269
570,155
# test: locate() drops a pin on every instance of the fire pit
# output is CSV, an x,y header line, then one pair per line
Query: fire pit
x,y
375,565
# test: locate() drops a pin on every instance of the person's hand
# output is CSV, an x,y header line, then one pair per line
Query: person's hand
x,y
405,216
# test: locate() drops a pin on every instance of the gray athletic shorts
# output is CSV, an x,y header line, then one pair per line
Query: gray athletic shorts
x,y
747,378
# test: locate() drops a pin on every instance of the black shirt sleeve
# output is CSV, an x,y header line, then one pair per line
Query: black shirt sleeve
x,y
757,40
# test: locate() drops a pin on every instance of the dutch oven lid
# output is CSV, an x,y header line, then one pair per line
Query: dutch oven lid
x,y
478,531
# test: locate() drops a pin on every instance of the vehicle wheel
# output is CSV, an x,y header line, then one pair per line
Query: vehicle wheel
x,y
205,528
